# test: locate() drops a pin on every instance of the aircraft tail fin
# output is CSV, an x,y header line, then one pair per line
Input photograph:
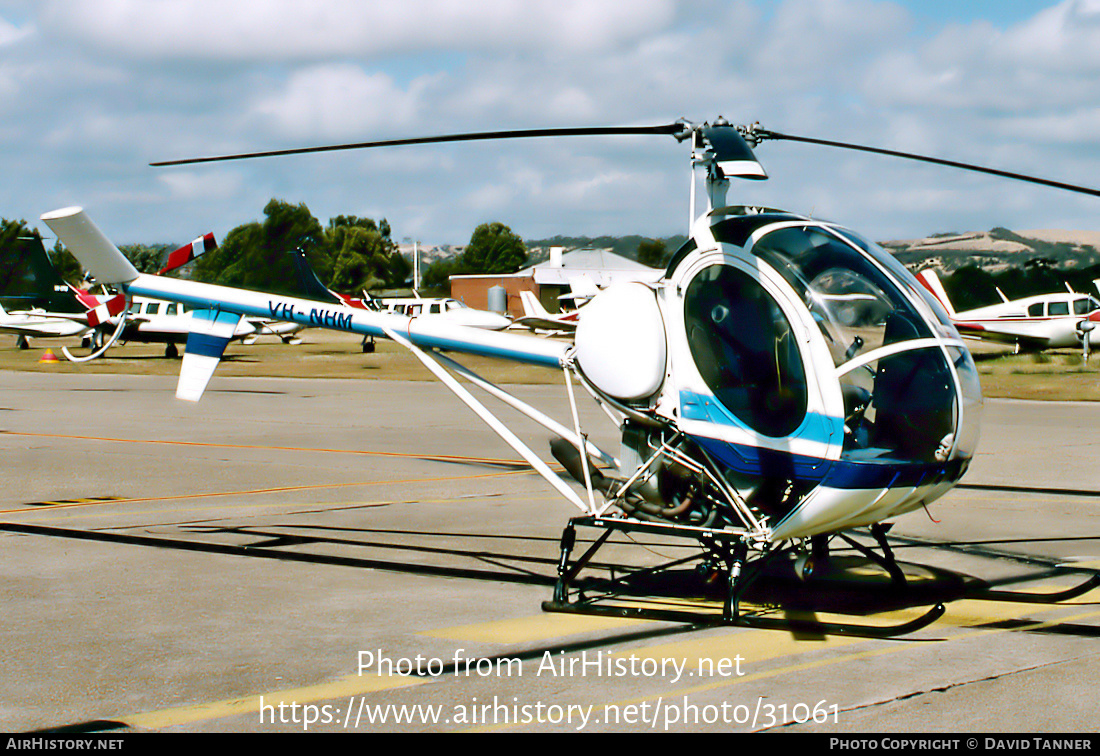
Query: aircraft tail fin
x,y
188,252
211,332
931,281
532,307
310,285
92,248
582,288
48,282
28,278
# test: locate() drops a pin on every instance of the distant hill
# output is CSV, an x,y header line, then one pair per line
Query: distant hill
x,y
999,250
539,249
624,246
1021,263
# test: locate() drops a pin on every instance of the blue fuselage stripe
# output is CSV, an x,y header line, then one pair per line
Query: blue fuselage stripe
x,y
336,317
842,473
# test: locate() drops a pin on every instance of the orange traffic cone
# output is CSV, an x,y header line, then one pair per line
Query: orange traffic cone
x,y
49,356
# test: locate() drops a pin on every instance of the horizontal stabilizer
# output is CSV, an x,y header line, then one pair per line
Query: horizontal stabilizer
x,y
92,248
211,331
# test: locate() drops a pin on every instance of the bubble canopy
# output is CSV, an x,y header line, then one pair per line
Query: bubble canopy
x,y
909,387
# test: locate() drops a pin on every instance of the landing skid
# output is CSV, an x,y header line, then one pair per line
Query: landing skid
x,y
669,592
1026,597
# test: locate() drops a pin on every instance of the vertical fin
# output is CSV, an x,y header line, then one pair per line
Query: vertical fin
x,y
532,307
211,331
931,281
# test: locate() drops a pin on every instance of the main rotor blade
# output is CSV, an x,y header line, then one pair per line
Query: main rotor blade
x,y
764,134
671,129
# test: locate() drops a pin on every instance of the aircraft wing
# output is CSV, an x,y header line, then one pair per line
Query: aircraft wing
x,y
1003,332
536,323
64,327
103,259
76,317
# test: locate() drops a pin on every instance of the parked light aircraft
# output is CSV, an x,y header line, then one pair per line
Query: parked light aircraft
x,y
53,309
38,323
154,321
1046,321
444,308
449,310
753,418
536,317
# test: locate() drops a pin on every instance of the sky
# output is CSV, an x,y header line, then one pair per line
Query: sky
x,y
91,92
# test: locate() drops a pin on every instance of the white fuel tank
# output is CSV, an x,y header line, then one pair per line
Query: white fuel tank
x,y
620,342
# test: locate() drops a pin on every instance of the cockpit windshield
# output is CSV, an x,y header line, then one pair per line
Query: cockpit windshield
x,y
1085,305
857,307
886,338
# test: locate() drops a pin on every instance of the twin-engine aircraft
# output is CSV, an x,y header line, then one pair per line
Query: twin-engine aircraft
x,y
45,306
784,382
104,319
1046,321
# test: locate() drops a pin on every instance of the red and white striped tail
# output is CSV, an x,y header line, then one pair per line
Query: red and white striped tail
x,y
188,252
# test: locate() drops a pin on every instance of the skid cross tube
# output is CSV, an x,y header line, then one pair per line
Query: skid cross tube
x,y
720,543
723,551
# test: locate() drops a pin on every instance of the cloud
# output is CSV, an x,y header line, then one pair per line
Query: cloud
x,y
266,30
339,101
109,85
10,33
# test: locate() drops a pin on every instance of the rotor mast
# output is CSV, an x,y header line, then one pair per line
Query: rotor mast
x,y
720,150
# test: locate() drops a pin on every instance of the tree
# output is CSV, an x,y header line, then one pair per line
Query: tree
x,y
493,248
970,287
146,258
255,255
349,255
653,252
363,255
438,274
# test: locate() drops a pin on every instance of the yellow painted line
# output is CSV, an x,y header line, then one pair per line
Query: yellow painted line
x,y
345,687
1092,564
962,613
527,629
972,613
753,646
205,444
814,664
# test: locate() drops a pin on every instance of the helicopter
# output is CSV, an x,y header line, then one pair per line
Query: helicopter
x,y
784,383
